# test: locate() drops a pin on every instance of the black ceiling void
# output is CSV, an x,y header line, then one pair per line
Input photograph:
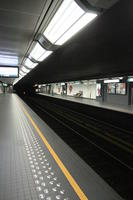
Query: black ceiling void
x,y
104,48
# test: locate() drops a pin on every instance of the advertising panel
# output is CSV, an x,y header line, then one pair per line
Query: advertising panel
x,y
98,90
121,88
111,88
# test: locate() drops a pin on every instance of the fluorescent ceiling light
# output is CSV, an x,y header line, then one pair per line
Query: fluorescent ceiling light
x,y
16,80
28,63
112,81
25,70
8,60
130,79
67,21
39,53
22,73
82,22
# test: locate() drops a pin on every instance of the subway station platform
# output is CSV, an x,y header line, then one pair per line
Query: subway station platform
x,y
36,164
92,102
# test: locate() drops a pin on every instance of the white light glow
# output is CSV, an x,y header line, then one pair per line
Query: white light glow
x,y
8,60
25,70
39,53
67,21
8,72
28,63
112,81
17,80
22,73
130,79
82,22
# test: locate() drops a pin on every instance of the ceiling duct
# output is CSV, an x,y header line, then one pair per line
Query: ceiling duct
x,y
105,4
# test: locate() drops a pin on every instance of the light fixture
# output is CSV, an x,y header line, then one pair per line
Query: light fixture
x,y
28,63
130,79
39,53
22,73
9,60
67,21
25,70
112,81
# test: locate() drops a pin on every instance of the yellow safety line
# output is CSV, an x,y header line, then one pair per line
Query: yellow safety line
x,y
69,177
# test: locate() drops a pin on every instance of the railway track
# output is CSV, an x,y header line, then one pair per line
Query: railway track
x,y
107,149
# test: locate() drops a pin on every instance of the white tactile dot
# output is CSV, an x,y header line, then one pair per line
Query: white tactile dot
x,y
51,182
35,176
54,189
41,196
37,182
37,167
46,191
39,172
58,197
58,184
48,198
48,176
62,191
36,163
38,188
43,184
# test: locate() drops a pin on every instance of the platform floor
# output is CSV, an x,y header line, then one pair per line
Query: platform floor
x,y
36,164
92,102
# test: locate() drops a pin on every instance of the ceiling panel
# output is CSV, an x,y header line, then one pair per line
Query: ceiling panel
x,y
26,6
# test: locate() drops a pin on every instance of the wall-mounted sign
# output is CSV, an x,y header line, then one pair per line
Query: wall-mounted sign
x,y
9,72
98,90
120,88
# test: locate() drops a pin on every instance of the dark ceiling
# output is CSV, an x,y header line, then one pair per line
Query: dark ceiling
x,y
104,48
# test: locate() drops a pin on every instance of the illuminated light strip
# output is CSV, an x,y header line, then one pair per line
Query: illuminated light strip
x,y
112,81
81,23
39,53
69,177
29,64
67,21
25,70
